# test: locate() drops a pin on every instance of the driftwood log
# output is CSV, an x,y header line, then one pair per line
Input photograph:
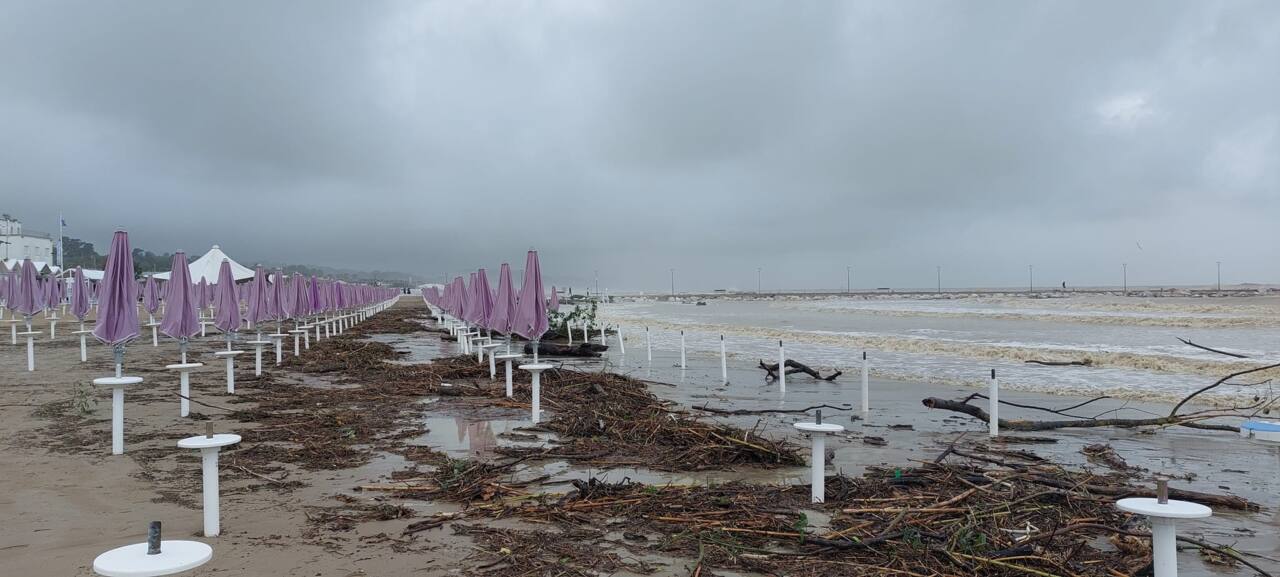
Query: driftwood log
x,y
795,367
1021,425
578,350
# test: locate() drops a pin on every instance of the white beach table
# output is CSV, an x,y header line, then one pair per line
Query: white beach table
x,y
231,368
1164,538
31,348
184,385
53,327
133,560
257,355
1265,431
536,369
818,461
297,340
306,336
203,326
209,445
506,359
117,385
279,340
488,347
84,347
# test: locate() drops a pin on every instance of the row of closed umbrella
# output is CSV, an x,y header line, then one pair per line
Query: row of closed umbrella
x,y
504,310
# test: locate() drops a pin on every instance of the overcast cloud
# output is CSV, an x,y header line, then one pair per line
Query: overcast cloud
x,y
634,137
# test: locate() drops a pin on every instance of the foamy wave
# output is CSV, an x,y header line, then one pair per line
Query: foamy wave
x,y
1207,366
1102,314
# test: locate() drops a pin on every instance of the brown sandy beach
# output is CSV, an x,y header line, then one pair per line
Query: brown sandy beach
x,y
65,498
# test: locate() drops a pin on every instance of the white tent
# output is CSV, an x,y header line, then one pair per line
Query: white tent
x,y
42,267
207,267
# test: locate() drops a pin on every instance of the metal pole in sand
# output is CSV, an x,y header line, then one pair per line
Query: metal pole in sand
x,y
155,557
683,363
866,388
724,363
782,368
648,344
993,405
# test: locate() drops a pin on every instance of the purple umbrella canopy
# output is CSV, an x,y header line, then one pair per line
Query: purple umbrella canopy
x,y
180,319
531,312
257,311
275,300
27,299
51,296
79,295
555,300
150,295
317,306
227,318
484,298
301,297
202,294
117,302
288,306
504,307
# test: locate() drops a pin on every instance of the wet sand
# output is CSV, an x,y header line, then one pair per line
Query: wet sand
x,y
65,498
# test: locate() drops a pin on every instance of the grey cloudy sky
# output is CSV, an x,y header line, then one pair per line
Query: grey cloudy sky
x,y
633,137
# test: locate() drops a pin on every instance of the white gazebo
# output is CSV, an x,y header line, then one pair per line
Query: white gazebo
x,y
207,266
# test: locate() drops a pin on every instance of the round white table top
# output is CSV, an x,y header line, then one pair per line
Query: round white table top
x,y
257,343
227,353
277,335
819,428
151,325
84,332
206,322
306,327
508,356
184,366
11,320
1171,510
28,333
536,367
298,331
116,381
204,442
133,561
490,345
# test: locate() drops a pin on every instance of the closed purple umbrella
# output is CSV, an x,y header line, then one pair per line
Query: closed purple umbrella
x,y
555,300
79,297
288,306
228,316
504,307
301,297
484,296
180,319
151,297
531,313
275,300
117,302
202,294
257,309
27,299
313,296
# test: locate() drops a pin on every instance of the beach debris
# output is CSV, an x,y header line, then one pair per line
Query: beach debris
x,y
795,367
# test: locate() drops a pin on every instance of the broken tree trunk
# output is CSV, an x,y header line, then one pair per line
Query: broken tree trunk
x,y
794,367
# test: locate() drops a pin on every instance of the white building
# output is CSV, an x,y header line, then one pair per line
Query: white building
x,y
17,244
